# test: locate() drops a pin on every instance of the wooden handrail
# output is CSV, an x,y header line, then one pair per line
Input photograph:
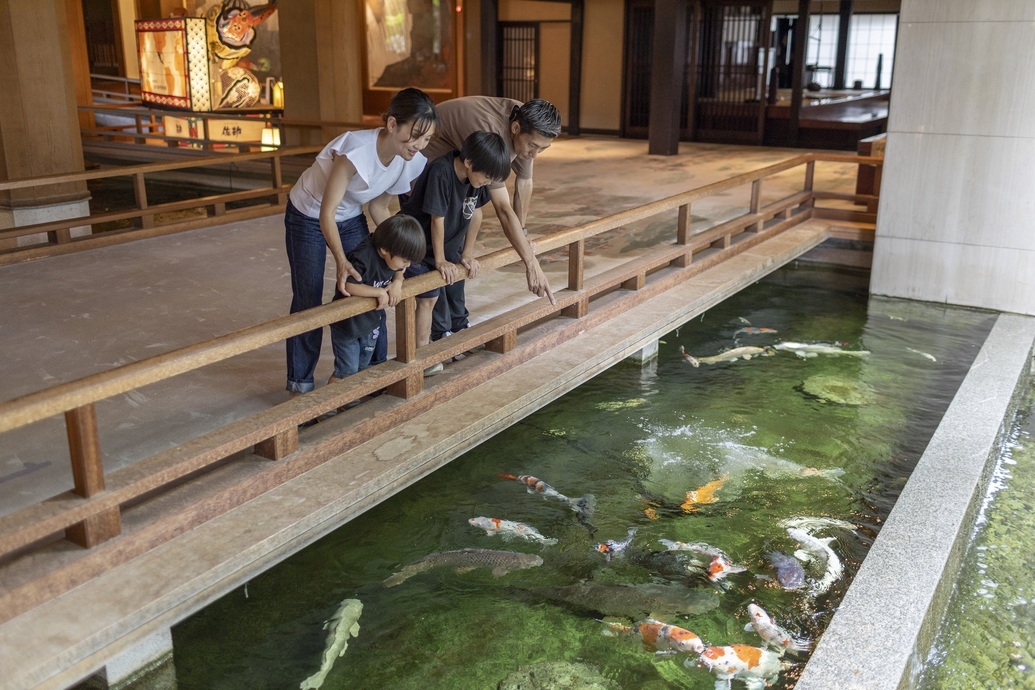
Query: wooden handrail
x,y
93,516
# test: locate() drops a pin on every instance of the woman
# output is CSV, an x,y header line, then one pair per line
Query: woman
x,y
325,209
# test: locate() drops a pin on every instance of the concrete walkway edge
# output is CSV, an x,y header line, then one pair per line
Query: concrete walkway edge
x,y
885,626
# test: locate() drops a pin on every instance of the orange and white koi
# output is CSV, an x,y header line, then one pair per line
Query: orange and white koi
x,y
582,505
664,638
755,666
775,636
702,495
719,564
690,359
509,529
612,547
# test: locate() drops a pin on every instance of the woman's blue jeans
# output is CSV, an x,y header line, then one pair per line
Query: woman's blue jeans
x,y
307,257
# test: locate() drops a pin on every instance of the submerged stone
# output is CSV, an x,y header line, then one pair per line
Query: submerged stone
x,y
838,390
557,675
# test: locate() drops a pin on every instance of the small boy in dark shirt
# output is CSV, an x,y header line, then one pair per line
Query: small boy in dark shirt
x,y
381,258
443,200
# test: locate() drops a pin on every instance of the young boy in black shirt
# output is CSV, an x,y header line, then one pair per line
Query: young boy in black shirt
x,y
443,200
381,258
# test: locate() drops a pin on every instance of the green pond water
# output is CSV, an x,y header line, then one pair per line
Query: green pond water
x,y
987,639
638,439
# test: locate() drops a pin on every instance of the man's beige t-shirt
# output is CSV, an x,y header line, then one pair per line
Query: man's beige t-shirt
x,y
460,117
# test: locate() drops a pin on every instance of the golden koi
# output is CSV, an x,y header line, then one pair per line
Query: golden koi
x,y
702,495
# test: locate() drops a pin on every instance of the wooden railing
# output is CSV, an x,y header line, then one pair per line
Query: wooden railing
x,y
90,513
146,219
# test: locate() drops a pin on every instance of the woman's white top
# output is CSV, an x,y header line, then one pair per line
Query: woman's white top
x,y
372,178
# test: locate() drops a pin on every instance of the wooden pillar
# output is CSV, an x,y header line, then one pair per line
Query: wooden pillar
x,y
841,65
575,66
668,60
321,60
801,37
489,21
40,122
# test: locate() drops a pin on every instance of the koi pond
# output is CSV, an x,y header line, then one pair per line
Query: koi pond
x,y
731,455
987,639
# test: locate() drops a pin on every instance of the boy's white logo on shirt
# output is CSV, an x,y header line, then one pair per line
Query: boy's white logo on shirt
x,y
469,206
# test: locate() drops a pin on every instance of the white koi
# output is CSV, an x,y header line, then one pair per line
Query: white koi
x,y
815,548
922,354
804,349
775,636
612,547
342,625
509,529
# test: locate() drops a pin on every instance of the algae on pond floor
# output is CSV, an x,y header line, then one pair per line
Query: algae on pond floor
x,y
987,639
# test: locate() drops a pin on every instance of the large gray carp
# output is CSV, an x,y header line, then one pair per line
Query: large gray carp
x,y
464,560
630,601
733,355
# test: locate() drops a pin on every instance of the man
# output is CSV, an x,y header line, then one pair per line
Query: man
x,y
527,130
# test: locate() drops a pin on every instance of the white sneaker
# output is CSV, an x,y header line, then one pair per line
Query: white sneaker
x,y
434,369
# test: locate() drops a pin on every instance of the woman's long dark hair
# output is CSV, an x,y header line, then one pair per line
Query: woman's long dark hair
x,y
413,105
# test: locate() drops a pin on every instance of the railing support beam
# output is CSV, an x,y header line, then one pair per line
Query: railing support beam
x,y
88,474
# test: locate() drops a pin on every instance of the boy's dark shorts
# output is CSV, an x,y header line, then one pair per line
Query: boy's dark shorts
x,y
418,270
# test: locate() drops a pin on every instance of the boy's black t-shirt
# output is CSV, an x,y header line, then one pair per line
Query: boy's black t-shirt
x,y
439,192
376,273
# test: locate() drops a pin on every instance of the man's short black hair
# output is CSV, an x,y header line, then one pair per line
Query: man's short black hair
x,y
488,154
539,116
401,235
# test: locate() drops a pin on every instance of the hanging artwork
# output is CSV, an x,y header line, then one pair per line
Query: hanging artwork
x,y
410,42
227,57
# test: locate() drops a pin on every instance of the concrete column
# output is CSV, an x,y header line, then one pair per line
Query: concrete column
x,y
646,354
151,657
955,216
39,124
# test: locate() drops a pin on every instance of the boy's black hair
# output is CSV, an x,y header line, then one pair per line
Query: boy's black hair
x,y
539,116
488,154
413,105
401,235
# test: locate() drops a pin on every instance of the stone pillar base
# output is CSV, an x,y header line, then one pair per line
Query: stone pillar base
x,y
19,216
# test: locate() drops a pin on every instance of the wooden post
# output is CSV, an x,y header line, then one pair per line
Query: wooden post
x,y
278,446
756,203
503,344
576,265
140,192
636,283
406,330
406,348
683,225
810,175
88,474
